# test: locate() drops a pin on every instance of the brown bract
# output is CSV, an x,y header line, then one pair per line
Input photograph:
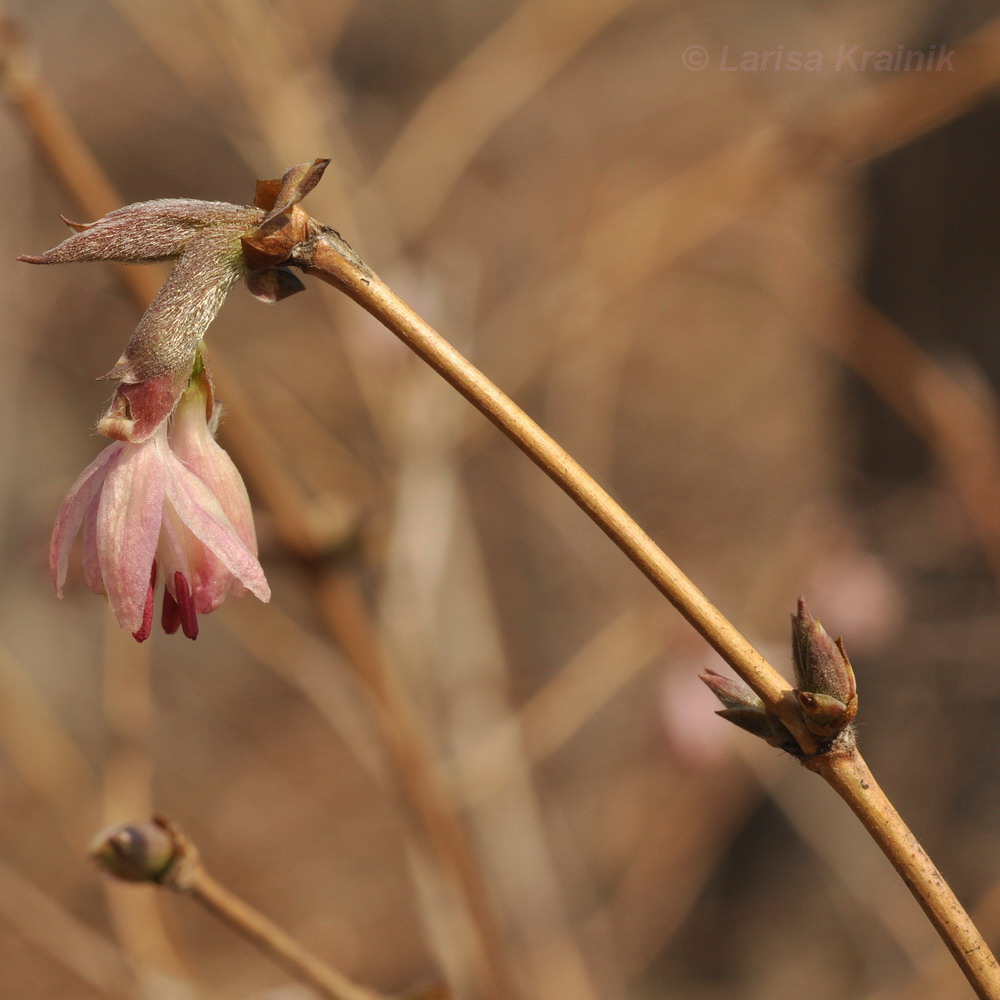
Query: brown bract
x,y
214,244
284,227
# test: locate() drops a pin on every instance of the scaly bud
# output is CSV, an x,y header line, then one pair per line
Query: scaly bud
x,y
826,688
284,227
744,708
154,850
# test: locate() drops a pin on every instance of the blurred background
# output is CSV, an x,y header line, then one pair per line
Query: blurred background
x,y
745,273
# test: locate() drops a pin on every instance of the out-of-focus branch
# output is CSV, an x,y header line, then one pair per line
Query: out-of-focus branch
x,y
160,852
64,149
50,926
954,413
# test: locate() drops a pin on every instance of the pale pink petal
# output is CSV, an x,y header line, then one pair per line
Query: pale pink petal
x,y
181,552
211,582
91,550
71,514
194,503
192,442
128,528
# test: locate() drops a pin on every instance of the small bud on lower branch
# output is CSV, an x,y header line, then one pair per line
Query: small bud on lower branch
x,y
134,852
158,851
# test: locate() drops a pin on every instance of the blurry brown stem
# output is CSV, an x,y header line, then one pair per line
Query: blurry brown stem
x,y
351,626
63,146
187,875
270,938
328,257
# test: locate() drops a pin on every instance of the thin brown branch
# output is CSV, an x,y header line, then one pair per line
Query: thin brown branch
x,y
328,257
268,937
849,776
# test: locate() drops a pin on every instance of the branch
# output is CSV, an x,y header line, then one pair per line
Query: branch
x,y
327,256
849,776
160,852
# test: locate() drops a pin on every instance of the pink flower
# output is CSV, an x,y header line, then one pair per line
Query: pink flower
x,y
173,501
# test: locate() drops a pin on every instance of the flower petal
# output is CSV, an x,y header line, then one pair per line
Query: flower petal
x,y
193,443
73,510
128,528
91,551
196,506
177,550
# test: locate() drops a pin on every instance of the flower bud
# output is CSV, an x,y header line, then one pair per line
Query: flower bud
x,y
826,688
134,852
744,708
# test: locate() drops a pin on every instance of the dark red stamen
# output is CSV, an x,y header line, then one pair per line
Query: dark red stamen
x,y
171,616
142,633
185,606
